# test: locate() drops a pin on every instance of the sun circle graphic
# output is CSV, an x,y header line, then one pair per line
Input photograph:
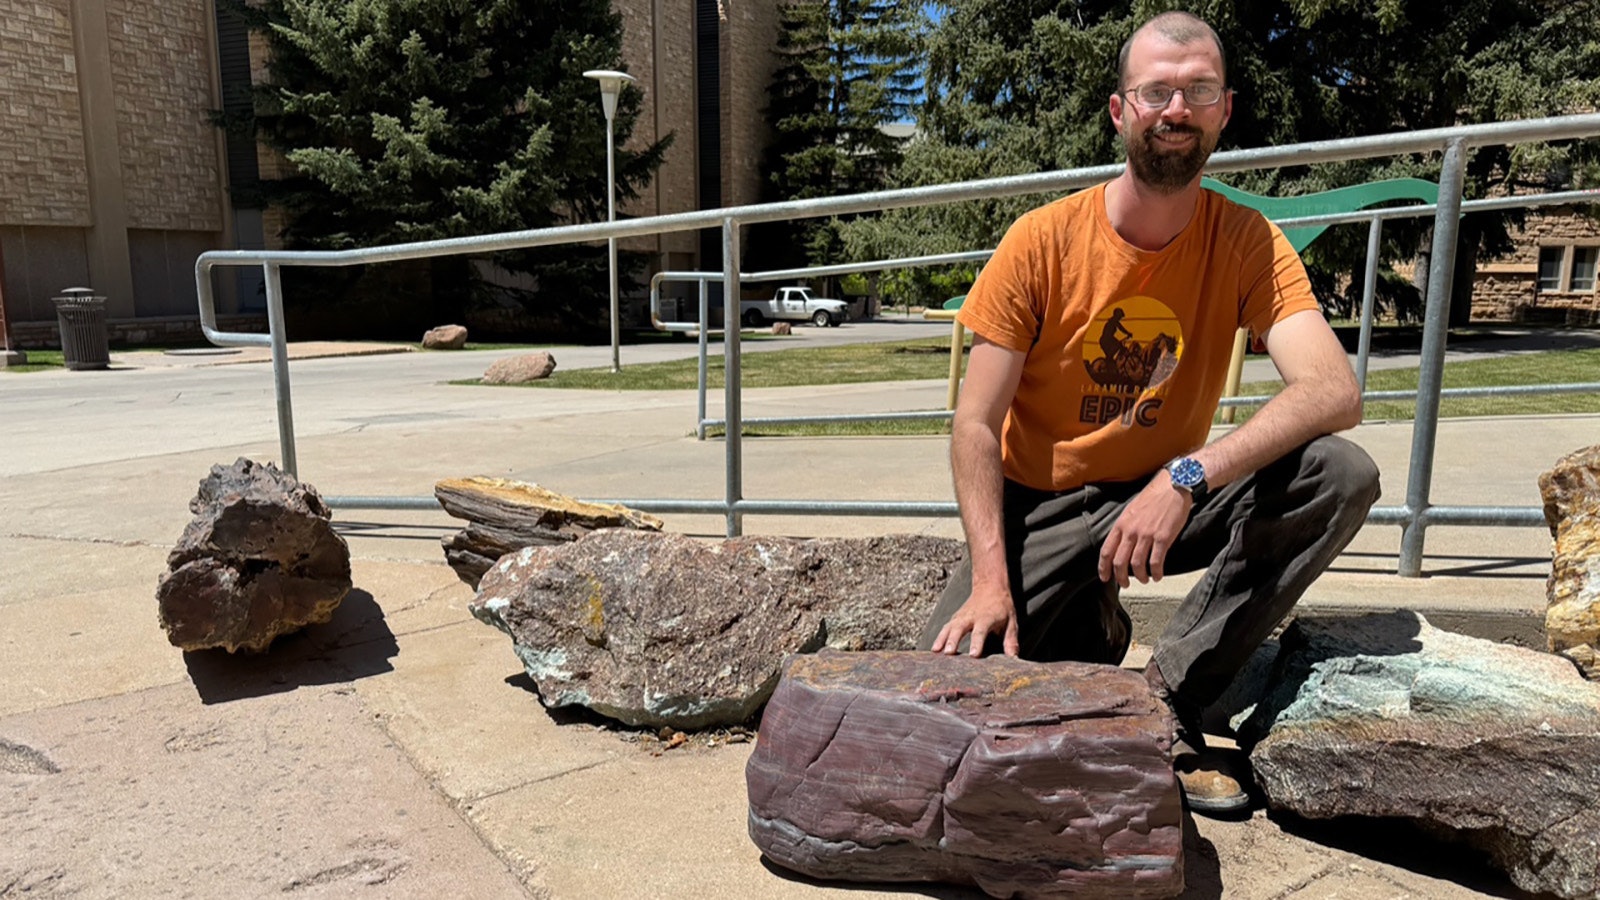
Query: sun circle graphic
x,y
1133,345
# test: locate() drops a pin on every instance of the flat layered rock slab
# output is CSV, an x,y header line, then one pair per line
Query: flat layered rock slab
x,y
1028,780
299,794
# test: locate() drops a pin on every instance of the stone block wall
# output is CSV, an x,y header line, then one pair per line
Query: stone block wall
x,y
658,49
750,34
159,330
161,57
1506,288
44,178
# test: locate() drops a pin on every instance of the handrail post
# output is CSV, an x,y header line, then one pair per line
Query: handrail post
x,y
705,326
732,413
280,368
1369,294
1430,368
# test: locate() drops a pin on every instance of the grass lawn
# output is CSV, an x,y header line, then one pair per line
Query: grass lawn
x,y
39,361
853,364
1553,367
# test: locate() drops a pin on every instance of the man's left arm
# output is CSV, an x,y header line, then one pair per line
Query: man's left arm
x,y
1320,396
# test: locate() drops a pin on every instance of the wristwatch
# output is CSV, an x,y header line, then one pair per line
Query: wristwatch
x,y
1189,475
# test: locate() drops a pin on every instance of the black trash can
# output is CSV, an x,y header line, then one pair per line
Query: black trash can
x,y
81,316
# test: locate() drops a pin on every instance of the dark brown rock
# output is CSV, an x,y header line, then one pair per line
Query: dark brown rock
x,y
504,516
1571,492
259,559
445,337
1387,716
520,369
662,629
1025,779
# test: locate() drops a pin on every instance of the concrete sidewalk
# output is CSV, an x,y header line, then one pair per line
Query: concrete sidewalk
x,y
399,749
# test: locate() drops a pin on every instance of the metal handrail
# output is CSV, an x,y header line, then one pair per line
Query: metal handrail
x,y
1453,142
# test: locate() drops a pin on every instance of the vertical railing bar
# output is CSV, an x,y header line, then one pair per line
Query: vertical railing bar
x,y
1369,294
732,408
705,326
1430,368
280,368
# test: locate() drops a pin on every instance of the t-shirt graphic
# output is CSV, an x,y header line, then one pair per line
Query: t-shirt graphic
x,y
1140,343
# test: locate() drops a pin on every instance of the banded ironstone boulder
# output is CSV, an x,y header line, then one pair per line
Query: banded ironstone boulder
x,y
1384,715
260,559
663,629
1571,493
1028,780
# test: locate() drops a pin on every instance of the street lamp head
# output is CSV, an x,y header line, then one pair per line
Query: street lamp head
x,y
611,83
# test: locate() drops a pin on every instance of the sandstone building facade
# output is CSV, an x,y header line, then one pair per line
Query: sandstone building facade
x,y
112,174
1549,277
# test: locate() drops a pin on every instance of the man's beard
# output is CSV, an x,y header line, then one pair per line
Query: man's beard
x,y
1167,171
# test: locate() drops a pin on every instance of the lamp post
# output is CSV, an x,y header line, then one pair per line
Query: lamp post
x,y
610,86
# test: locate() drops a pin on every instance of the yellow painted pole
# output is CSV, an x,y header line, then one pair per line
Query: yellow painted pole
x,y
1241,343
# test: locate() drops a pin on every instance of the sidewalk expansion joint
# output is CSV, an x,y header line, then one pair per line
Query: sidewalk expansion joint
x,y
540,780
71,539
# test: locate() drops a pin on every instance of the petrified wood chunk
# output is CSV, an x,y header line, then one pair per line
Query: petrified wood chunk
x,y
506,516
662,629
1385,715
259,559
1571,492
1025,779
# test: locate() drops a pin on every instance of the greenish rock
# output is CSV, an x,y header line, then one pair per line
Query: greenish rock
x,y
1384,715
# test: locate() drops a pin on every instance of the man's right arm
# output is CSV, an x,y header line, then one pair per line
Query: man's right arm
x,y
993,372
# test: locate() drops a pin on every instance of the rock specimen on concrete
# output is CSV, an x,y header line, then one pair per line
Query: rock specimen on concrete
x,y
504,516
1025,779
662,629
445,337
1385,715
259,559
1571,492
520,369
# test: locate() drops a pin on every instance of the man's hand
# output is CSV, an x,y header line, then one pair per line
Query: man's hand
x,y
1144,532
986,612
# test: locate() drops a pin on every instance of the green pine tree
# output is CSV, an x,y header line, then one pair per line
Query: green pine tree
x,y
410,120
847,67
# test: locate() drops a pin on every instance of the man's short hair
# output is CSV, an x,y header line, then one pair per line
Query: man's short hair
x,y
1178,27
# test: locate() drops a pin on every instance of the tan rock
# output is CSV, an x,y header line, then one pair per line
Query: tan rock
x,y
781,328
445,337
520,369
1571,492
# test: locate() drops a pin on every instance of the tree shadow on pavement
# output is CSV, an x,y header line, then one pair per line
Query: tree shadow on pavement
x,y
1404,845
356,643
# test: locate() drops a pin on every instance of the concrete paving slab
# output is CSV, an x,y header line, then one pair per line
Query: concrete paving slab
x,y
459,702
149,794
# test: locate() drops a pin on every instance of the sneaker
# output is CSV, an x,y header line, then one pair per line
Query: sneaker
x,y
1209,780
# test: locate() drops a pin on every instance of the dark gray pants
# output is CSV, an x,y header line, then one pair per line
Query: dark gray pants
x,y
1261,539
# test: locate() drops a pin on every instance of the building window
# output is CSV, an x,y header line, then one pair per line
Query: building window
x,y
1583,267
1550,266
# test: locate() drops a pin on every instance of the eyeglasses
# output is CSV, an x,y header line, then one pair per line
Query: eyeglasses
x,y
1156,95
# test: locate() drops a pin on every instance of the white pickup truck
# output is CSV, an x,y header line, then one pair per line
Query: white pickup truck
x,y
795,303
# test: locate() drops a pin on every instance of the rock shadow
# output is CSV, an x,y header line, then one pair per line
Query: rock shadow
x,y
356,643
1405,845
1202,866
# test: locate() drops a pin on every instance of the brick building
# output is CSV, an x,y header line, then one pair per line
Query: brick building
x,y
1549,277
112,175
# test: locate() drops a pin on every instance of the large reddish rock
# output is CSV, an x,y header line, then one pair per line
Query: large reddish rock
x,y
520,369
259,559
1031,780
663,629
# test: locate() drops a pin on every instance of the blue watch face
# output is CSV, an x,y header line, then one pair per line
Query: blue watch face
x,y
1187,473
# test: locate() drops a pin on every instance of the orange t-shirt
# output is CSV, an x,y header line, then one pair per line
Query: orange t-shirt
x,y
1127,349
